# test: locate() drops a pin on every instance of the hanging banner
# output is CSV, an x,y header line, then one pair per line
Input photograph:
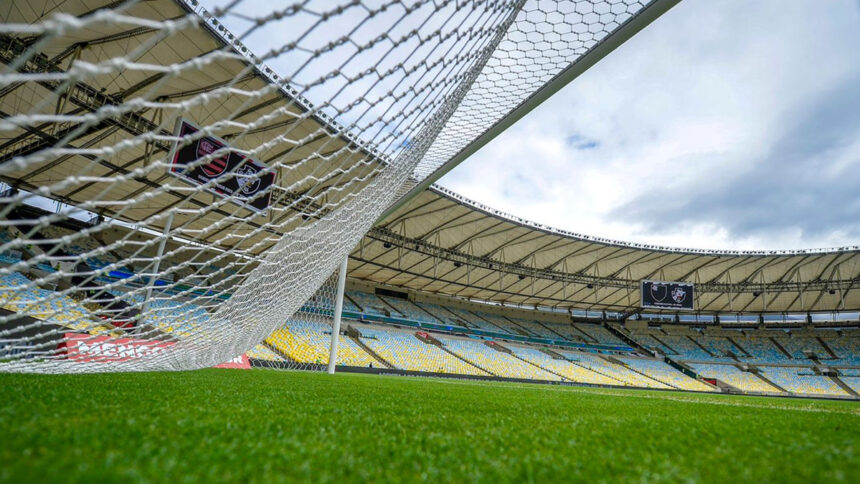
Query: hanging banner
x,y
231,175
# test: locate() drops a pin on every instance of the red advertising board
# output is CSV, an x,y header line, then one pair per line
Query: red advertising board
x,y
104,349
240,362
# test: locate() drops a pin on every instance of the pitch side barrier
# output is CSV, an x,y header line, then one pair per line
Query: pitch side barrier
x,y
275,365
363,317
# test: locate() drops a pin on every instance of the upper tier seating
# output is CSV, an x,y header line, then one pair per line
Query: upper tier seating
x,y
762,350
742,380
666,374
452,317
536,328
503,323
410,310
796,345
686,348
369,303
565,330
496,362
650,341
801,380
405,351
600,334
847,348
720,347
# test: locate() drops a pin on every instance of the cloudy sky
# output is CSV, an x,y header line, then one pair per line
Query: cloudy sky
x,y
730,124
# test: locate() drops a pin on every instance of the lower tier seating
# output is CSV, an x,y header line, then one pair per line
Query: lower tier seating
x,y
802,380
496,362
661,371
305,341
261,352
742,380
563,367
405,351
615,371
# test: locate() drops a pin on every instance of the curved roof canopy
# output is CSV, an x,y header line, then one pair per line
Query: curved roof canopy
x,y
443,243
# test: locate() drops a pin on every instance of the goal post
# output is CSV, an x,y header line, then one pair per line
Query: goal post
x,y
182,178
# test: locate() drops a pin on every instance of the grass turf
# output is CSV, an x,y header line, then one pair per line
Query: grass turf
x,y
266,425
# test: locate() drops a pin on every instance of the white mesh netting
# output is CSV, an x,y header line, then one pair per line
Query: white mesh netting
x,y
180,178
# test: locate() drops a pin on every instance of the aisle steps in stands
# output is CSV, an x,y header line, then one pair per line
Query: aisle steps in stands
x,y
455,355
552,353
780,348
278,351
520,328
392,308
742,352
826,348
561,336
627,339
353,334
674,351
502,349
634,370
595,370
767,380
844,386
695,342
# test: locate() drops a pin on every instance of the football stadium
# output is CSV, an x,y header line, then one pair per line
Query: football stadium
x,y
225,256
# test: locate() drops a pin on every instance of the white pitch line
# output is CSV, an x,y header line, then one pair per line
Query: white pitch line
x,y
633,393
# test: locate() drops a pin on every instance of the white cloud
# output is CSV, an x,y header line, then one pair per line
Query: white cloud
x,y
714,101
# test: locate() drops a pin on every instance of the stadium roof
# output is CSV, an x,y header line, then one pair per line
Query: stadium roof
x,y
443,243
437,242
247,105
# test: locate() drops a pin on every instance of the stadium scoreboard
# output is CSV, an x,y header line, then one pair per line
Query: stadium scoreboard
x,y
667,295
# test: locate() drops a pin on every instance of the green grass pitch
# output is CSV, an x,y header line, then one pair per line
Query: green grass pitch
x,y
270,426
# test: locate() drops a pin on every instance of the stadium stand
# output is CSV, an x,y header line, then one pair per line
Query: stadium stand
x,y
853,382
535,328
730,374
405,351
616,371
762,350
563,367
450,317
19,294
496,362
846,348
799,345
306,341
600,334
302,340
801,381
661,371
566,330
409,310
720,347
504,323
369,303
261,352
686,348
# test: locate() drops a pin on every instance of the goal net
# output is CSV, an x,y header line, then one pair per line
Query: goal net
x,y
180,178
